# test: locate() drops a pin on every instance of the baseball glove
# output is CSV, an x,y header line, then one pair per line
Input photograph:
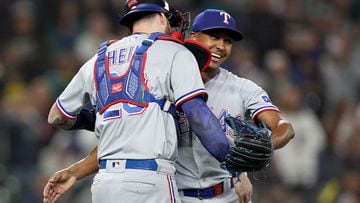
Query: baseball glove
x,y
253,149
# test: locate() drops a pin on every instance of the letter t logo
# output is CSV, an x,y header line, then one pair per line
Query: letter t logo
x,y
226,16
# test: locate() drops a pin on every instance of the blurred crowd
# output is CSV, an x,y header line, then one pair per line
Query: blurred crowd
x,y
304,53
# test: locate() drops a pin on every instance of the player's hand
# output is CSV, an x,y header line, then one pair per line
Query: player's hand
x,y
243,188
58,184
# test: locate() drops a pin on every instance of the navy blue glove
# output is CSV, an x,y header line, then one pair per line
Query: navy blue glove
x,y
253,148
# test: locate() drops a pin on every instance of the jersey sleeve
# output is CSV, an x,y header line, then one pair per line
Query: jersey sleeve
x,y
256,99
76,93
185,78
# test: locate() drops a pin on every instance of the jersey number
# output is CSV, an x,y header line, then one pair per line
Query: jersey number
x,y
130,109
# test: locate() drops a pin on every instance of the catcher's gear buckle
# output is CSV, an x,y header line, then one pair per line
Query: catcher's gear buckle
x,y
148,42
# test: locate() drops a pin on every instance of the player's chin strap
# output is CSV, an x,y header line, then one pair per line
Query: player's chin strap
x,y
131,87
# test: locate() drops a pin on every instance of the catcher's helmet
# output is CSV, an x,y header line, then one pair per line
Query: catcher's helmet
x,y
134,9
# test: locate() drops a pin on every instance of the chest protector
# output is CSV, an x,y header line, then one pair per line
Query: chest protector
x,y
130,87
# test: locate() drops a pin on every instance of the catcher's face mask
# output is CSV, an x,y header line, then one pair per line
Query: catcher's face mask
x,y
179,21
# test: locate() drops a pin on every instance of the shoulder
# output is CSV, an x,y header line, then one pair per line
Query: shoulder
x,y
173,51
169,44
229,76
90,63
238,82
87,69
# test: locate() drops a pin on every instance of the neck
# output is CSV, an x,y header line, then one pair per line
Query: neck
x,y
141,33
152,23
146,31
209,74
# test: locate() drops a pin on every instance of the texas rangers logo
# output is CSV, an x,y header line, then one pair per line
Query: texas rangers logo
x,y
226,17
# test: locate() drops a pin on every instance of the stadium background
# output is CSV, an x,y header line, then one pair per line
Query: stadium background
x,y
305,53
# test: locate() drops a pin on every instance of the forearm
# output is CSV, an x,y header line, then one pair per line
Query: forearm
x,y
84,120
86,166
243,187
56,119
207,128
282,134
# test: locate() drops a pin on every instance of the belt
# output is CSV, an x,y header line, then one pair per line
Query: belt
x,y
207,193
142,164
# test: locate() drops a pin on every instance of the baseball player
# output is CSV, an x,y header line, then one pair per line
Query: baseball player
x,y
135,84
199,177
212,183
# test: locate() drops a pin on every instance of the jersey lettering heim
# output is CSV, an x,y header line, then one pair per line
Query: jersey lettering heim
x,y
127,131
228,95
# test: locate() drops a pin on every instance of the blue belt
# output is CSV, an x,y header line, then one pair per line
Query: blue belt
x,y
142,164
207,193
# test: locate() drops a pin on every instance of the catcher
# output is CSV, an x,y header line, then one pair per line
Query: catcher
x,y
199,175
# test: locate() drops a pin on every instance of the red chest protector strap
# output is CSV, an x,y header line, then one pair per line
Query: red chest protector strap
x,y
129,88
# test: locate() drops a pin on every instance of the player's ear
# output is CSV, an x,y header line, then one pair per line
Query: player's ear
x,y
163,19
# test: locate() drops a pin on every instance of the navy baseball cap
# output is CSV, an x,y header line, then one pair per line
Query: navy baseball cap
x,y
134,9
216,19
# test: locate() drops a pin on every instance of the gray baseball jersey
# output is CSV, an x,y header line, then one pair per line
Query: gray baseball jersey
x,y
127,131
228,94
171,72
